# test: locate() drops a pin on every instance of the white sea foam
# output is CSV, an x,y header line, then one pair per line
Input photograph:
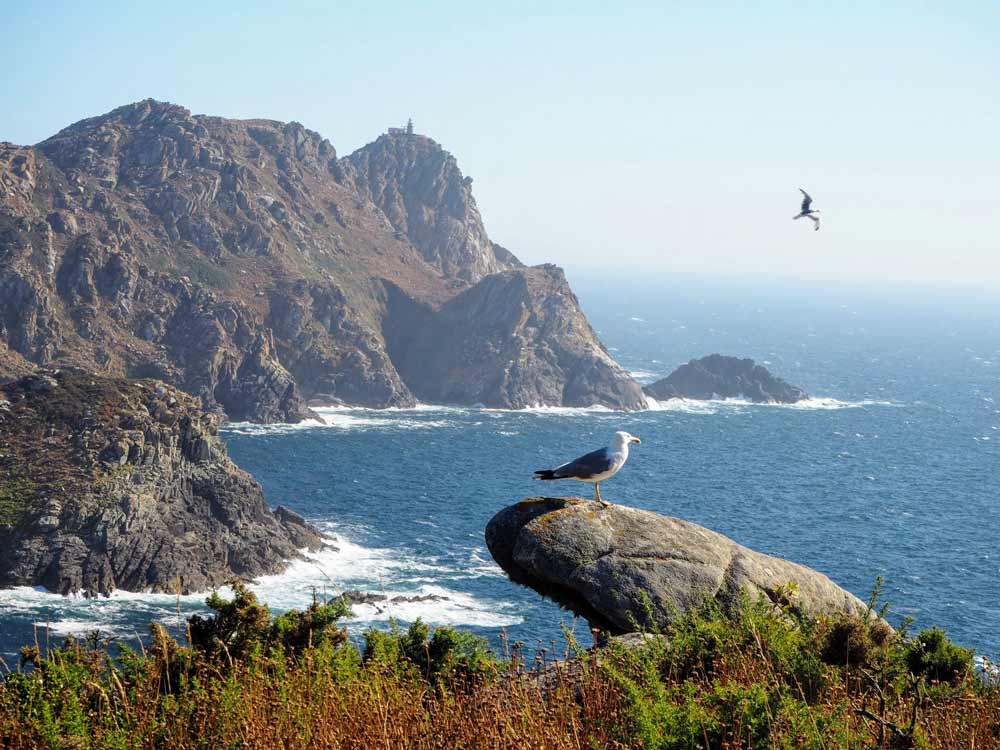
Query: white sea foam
x,y
447,608
714,406
79,626
344,566
686,405
343,418
280,428
565,411
414,418
644,376
392,572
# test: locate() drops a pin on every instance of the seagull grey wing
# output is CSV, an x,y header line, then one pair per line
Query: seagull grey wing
x,y
591,465
806,201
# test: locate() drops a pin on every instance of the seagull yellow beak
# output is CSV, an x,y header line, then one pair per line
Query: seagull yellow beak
x,y
635,440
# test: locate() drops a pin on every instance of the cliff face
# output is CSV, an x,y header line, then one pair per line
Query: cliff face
x,y
514,340
719,376
242,261
122,484
420,189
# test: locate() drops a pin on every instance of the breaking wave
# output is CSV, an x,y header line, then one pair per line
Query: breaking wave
x,y
714,406
413,586
352,418
644,376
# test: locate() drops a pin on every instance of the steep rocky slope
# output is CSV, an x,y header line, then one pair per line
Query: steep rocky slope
x,y
122,484
516,339
242,261
608,563
420,189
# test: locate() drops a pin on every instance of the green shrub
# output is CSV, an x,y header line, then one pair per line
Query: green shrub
x,y
932,655
445,653
851,641
242,625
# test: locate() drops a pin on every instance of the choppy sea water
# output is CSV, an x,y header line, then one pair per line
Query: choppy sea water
x,y
893,469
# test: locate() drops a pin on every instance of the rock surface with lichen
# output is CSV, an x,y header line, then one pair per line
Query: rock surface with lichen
x,y
607,564
107,483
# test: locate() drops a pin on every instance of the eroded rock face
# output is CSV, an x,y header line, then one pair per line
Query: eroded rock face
x,y
123,484
421,190
601,562
242,261
718,376
516,339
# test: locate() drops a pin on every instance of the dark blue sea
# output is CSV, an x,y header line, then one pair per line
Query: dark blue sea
x,y
892,469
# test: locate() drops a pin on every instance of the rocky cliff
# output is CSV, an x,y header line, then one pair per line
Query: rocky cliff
x,y
605,563
420,189
244,262
516,339
122,484
718,376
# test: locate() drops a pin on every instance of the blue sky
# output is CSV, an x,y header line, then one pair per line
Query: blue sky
x,y
663,136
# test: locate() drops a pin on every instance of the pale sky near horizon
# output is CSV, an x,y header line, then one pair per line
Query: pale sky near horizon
x,y
661,136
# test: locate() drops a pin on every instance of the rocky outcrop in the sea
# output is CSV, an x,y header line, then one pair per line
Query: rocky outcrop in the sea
x,y
719,376
112,484
605,563
516,339
244,262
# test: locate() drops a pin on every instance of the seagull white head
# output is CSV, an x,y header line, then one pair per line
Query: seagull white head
x,y
624,438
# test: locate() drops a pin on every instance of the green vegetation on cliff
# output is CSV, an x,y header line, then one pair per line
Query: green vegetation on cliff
x,y
760,678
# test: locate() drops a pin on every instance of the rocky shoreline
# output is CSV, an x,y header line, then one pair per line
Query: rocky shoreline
x,y
110,484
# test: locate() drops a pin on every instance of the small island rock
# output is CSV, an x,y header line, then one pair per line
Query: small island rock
x,y
719,376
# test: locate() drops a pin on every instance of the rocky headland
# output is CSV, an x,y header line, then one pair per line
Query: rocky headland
x,y
607,563
108,483
247,264
717,376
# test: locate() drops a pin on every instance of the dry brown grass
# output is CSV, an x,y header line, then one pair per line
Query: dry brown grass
x,y
756,681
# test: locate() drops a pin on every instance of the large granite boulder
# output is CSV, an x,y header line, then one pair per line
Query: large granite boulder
x,y
719,376
123,484
603,562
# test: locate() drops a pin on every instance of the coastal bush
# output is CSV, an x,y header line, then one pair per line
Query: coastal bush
x,y
933,656
758,675
242,625
444,653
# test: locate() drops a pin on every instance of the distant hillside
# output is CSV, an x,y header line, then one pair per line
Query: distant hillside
x,y
242,261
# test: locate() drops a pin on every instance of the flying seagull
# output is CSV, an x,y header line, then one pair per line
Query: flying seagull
x,y
809,213
595,466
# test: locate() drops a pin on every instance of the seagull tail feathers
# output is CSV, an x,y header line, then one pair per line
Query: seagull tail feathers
x,y
545,474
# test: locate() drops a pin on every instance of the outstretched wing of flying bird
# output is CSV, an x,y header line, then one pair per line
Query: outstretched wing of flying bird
x,y
806,201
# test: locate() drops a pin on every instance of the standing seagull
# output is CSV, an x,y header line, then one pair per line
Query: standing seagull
x,y
595,466
809,213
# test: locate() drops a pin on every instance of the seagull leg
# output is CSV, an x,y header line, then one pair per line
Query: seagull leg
x,y
597,495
